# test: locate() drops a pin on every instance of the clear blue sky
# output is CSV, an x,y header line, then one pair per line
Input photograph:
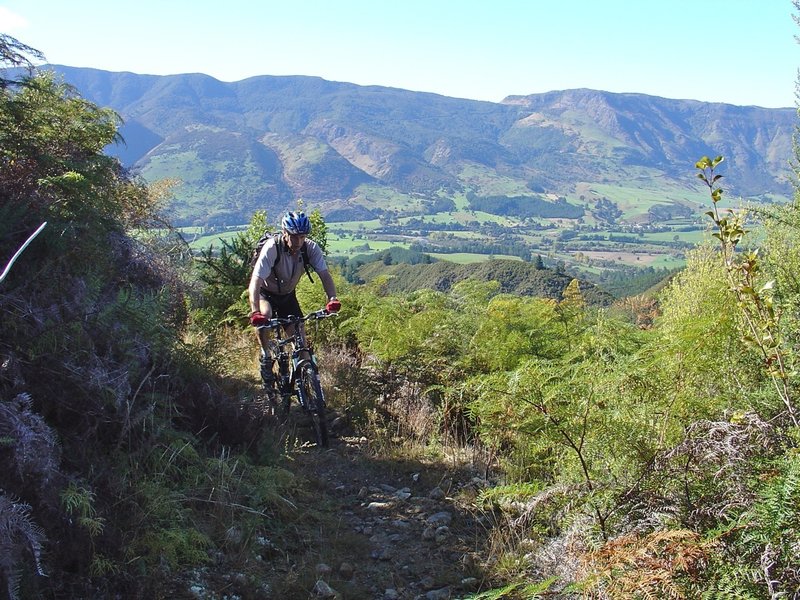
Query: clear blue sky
x,y
736,51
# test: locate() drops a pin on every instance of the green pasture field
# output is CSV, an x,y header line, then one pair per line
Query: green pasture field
x,y
694,237
463,218
669,261
343,246
187,231
373,195
461,235
354,226
486,182
635,201
461,202
640,259
465,258
200,242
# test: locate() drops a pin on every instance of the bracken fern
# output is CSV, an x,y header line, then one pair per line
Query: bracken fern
x,y
32,443
20,538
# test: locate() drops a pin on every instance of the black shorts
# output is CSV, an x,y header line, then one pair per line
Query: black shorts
x,y
283,305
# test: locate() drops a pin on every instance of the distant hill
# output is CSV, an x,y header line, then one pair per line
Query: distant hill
x,y
514,277
265,141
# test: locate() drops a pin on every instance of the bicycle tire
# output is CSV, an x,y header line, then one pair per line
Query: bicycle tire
x,y
310,390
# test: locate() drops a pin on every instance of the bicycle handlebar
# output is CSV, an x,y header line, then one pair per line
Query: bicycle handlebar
x,y
276,322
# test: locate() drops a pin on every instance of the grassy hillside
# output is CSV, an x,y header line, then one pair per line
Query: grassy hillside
x,y
425,143
514,277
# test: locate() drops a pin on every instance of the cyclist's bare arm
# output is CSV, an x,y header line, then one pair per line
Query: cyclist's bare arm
x,y
327,283
259,304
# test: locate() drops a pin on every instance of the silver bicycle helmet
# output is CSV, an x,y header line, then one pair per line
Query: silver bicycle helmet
x,y
296,223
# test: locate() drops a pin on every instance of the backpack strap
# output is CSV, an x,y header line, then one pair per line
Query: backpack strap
x,y
306,265
303,255
278,243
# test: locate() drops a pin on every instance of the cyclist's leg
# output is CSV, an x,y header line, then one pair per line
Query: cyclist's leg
x,y
267,359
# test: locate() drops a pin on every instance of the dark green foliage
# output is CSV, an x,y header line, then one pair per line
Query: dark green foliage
x,y
514,277
507,246
607,211
391,256
663,212
632,281
96,384
774,527
756,512
29,454
226,273
20,542
15,54
525,206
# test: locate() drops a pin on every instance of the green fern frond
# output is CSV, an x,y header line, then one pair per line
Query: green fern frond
x,y
734,582
496,593
528,591
102,566
509,493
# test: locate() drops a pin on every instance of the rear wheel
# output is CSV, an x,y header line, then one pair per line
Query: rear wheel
x,y
313,401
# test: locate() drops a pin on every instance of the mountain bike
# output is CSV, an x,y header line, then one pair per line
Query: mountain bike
x,y
294,371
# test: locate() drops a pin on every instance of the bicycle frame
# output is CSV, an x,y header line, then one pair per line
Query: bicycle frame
x,y
297,369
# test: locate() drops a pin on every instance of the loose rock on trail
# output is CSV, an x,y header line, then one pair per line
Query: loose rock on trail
x,y
386,528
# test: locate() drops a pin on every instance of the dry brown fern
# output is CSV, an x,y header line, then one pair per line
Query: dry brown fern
x,y
656,565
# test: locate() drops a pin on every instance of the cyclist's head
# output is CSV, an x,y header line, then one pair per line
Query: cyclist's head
x,y
296,223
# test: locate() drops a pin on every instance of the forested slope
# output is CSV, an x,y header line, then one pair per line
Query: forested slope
x,y
514,277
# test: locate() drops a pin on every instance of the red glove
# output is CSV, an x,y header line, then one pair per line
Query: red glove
x,y
333,305
257,319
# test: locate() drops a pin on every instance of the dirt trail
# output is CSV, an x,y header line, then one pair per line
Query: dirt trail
x,y
385,528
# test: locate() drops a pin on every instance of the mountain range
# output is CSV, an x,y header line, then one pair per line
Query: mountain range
x,y
359,152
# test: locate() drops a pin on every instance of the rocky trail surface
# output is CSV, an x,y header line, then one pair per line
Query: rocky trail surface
x,y
384,528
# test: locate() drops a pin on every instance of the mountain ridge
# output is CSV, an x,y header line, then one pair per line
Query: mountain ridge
x,y
334,144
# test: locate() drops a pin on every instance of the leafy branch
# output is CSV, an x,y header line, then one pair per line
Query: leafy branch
x,y
756,304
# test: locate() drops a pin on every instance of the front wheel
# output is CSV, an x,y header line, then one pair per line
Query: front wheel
x,y
313,401
271,376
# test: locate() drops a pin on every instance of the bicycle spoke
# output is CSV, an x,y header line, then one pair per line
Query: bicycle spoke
x,y
314,401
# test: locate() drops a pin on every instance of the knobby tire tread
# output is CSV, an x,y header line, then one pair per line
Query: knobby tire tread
x,y
309,386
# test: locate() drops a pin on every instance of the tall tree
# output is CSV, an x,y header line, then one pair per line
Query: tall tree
x,y
14,53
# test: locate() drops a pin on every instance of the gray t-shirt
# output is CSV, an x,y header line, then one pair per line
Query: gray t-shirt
x,y
289,269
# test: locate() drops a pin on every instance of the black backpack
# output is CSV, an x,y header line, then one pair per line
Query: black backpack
x,y
279,246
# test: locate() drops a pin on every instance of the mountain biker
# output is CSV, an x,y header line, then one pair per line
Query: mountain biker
x,y
277,272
